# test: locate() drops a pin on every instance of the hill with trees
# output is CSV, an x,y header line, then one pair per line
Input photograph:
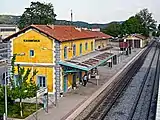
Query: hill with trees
x,y
11,19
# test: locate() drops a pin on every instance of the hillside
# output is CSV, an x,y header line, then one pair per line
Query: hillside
x,y
11,19
80,24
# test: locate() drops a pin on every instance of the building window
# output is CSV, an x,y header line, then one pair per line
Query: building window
x,y
80,48
74,50
41,81
16,82
8,30
92,46
31,53
86,46
65,52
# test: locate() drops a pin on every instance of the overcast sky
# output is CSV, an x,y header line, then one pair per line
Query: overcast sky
x,y
93,11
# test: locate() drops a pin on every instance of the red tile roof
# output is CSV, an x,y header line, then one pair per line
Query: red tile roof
x,y
98,34
63,32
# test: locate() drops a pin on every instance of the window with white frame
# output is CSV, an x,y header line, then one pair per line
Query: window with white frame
x,y
92,46
41,81
74,50
31,52
65,52
16,82
86,46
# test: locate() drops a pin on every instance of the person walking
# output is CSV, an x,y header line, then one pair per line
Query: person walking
x,y
84,80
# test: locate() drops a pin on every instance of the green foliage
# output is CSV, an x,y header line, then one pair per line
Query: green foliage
x,y
154,33
113,29
21,88
141,23
37,13
132,26
9,19
147,20
13,109
159,27
158,34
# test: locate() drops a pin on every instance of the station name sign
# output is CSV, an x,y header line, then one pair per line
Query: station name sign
x,y
31,40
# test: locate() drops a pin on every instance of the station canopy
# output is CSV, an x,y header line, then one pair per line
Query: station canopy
x,y
87,62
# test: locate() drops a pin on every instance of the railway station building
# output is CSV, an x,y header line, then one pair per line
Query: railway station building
x,y
136,40
60,54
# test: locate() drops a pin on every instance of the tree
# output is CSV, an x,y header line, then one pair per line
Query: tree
x,y
22,87
113,29
132,26
158,34
37,13
147,20
159,27
154,33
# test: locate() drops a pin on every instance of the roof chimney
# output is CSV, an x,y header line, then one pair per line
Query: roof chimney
x,y
50,26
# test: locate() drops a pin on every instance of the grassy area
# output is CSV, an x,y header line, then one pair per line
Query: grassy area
x,y
14,110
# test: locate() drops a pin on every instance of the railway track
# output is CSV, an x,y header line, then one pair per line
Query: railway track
x,y
104,106
138,114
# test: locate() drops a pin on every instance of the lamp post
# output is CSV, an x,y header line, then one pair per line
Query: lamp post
x,y
5,95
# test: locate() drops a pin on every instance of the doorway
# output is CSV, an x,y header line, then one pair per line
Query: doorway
x,y
65,83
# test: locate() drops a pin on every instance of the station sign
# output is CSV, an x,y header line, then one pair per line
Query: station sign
x,y
42,91
31,40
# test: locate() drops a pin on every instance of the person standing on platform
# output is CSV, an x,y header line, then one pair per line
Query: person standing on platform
x,y
84,80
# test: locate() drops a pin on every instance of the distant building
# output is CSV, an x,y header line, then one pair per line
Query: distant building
x,y
101,39
4,47
136,40
7,30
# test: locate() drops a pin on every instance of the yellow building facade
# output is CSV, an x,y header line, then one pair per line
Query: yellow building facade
x,y
75,48
42,60
44,46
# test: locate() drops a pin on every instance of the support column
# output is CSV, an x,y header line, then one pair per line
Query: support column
x,y
80,77
130,50
57,82
74,81
115,59
133,43
57,78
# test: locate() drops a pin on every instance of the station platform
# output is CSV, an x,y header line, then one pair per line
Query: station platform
x,y
74,99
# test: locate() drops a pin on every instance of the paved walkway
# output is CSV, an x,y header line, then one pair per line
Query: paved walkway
x,y
75,98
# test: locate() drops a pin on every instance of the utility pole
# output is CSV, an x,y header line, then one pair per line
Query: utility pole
x,y
5,93
71,17
6,76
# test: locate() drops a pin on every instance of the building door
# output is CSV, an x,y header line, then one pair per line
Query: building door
x,y
65,83
137,43
74,80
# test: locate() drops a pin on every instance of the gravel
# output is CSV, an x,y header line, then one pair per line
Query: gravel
x,y
121,109
144,102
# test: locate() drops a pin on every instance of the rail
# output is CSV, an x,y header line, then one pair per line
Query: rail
x,y
106,103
